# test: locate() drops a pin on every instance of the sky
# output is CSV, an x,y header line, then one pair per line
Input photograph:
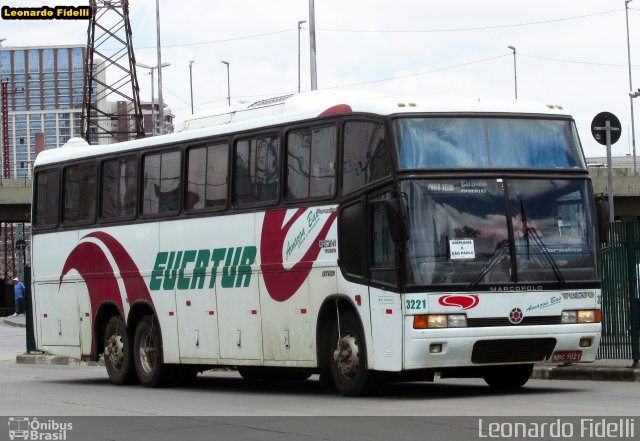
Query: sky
x,y
569,52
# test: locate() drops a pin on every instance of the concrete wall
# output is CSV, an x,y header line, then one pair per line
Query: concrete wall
x,y
626,191
15,200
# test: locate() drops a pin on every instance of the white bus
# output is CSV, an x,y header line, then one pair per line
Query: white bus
x,y
358,236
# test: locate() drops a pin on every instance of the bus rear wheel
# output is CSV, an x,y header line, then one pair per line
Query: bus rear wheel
x,y
117,352
346,358
148,356
508,377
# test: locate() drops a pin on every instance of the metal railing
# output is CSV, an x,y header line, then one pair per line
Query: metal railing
x,y
620,268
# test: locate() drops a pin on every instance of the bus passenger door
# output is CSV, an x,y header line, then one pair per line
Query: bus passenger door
x,y
386,305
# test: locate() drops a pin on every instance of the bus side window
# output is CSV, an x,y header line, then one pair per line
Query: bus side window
x,y
161,193
79,202
311,156
366,155
119,187
383,259
257,170
352,255
47,198
207,177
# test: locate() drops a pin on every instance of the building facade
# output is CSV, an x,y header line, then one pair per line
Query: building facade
x,y
45,93
45,87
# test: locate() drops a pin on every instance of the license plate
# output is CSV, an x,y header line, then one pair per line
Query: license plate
x,y
567,356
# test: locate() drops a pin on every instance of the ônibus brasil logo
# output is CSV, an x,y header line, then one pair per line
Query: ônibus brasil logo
x,y
463,301
32,429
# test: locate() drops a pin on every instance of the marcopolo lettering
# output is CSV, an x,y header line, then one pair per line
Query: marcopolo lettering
x,y
170,267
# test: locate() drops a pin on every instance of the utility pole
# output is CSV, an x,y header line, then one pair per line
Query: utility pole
x,y
312,45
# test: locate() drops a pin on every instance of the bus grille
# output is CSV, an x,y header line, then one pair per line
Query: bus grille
x,y
504,321
513,350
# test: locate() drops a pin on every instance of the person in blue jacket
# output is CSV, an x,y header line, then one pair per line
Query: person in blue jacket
x,y
18,288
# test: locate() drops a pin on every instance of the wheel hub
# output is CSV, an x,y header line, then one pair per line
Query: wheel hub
x,y
114,350
147,352
346,356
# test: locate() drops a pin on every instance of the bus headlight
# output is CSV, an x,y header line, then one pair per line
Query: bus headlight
x,y
457,321
439,321
581,316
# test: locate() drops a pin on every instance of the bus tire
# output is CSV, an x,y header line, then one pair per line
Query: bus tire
x,y
346,358
148,356
508,377
117,352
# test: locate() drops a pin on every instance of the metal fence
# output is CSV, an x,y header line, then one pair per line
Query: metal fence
x,y
620,269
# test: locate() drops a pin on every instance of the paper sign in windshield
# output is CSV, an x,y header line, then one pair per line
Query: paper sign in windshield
x,y
462,249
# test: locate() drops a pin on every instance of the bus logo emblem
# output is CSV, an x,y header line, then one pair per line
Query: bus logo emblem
x,y
516,316
462,301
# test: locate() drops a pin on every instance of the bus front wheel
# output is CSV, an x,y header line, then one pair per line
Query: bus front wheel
x,y
346,357
508,377
117,352
147,353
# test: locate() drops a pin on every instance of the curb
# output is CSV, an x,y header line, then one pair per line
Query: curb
x,y
591,373
57,360
16,324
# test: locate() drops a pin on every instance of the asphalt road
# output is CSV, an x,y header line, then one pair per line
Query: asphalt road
x,y
224,404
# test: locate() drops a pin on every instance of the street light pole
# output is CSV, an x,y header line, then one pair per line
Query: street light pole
x,y
515,71
153,111
191,83
228,83
312,45
633,128
299,24
160,101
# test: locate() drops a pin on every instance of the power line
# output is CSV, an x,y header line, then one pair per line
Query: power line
x,y
222,40
483,60
383,31
477,28
561,60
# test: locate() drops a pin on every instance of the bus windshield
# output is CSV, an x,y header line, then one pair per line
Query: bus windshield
x,y
465,231
480,142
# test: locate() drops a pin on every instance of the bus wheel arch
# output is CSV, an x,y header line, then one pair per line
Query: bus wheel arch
x,y
342,355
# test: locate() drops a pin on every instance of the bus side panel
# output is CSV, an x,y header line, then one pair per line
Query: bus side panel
x,y
55,303
195,301
297,256
163,236
386,330
286,326
236,284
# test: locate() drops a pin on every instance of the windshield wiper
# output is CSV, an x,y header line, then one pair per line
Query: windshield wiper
x,y
495,259
531,232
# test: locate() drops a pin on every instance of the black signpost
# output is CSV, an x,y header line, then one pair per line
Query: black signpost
x,y
606,130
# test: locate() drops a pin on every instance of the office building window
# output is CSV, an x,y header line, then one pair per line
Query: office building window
x,y
47,60
34,61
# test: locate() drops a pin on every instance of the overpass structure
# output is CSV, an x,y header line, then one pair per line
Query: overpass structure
x,y
15,200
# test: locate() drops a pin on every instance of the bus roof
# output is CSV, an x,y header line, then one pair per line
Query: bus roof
x,y
299,107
